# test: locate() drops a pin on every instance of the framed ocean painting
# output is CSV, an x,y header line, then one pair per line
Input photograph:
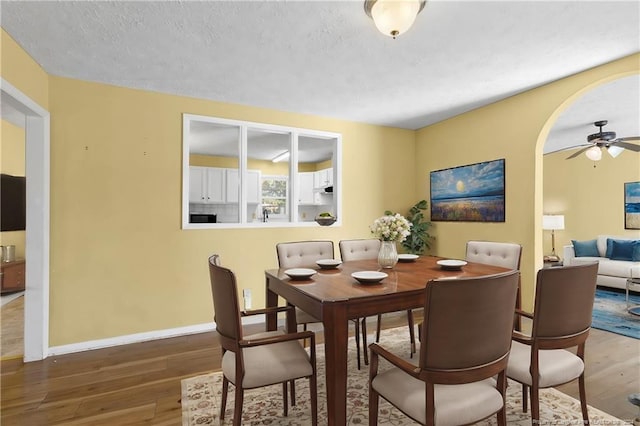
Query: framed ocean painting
x,y
471,193
632,205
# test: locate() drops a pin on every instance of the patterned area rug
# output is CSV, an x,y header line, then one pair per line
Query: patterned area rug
x,y
201,398
610,313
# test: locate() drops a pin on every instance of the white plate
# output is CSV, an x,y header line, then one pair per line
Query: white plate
x,y
300,273
407,257
367,277
451,264
328,263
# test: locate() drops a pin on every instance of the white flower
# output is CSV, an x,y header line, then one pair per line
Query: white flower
x,y
391,228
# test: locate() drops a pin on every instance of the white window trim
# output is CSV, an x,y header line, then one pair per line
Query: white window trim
x,y
293,161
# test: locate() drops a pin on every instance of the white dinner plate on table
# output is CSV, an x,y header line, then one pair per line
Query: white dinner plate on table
x,y
407,257
328,263
369,277
451,264
300,273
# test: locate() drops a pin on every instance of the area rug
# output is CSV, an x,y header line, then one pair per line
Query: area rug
x,y
610,313
201,399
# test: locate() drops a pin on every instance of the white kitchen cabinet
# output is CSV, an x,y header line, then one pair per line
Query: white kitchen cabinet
x,y
206,185
253,186
323,178
305,187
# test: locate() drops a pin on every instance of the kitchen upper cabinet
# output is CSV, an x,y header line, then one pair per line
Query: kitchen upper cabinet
x,y
323,178
206,185
233,186
306,182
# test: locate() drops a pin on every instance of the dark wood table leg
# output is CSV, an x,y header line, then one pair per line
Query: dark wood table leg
x,y
271,300
335,347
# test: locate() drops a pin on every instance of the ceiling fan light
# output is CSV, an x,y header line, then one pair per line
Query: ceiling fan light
x,y
614,150
393,17
594,153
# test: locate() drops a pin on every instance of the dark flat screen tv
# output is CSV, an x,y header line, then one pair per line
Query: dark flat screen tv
x,y
13,196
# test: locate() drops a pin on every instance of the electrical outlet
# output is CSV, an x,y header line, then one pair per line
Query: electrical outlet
x,y
246,294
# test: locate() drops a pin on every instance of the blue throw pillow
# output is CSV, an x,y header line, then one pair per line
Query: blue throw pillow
x,y
585,248
609,247
625,250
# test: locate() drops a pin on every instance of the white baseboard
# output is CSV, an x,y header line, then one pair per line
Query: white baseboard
x,y
143,337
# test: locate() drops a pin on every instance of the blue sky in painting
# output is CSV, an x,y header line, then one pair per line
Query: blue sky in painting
x,y
632,192
475,180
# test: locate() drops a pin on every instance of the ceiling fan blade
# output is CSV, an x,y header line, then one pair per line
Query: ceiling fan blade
x,y
575,154
629,146
628,138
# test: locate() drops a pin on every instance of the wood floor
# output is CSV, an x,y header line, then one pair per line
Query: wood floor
x,y
12,329
140,383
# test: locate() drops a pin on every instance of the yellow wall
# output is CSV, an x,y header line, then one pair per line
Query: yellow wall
x,y
12,139
120,264
514,129
591,199
19,69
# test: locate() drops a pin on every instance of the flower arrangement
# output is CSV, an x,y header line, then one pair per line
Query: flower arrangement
x,y
391,227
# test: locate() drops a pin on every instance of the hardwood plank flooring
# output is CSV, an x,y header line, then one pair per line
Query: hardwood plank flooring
x,y
12,329
139,384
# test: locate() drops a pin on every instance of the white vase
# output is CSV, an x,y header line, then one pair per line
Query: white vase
x,y
388,254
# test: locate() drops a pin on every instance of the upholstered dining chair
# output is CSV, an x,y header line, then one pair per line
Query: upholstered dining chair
x,y
304,254
466,340
368,248
506,255
261,359
561,319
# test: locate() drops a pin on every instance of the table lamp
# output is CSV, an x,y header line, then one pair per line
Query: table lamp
x,y
552,222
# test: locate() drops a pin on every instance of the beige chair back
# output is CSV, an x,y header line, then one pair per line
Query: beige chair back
x,y
468,322
564,301
303,254
506,255
225,300
359,249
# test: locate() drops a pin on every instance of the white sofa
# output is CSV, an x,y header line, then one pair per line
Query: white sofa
x,y
611,273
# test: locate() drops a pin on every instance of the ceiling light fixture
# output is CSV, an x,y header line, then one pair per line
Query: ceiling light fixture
x,y
280,157
594,153
393,17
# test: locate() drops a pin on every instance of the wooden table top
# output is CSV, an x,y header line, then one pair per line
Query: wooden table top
x,y
333,285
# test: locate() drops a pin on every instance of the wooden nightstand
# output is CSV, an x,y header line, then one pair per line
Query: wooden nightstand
x,y
12,276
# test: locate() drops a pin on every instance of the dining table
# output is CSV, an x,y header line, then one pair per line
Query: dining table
x,y
335,297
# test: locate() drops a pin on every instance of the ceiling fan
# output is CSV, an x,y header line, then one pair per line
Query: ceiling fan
x,y
608,140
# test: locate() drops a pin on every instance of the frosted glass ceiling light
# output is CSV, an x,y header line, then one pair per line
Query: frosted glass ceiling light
x,y
393,17
594,153
614,151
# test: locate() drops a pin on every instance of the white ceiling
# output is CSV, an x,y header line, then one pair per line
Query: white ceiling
x,y
326,57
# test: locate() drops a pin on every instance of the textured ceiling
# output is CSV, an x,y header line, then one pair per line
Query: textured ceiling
x,y
326,57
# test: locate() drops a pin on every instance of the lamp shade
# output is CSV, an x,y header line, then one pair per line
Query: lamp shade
x,y
594,153
393,17
552,221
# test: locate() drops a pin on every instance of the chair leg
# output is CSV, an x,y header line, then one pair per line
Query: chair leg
x,y
237,409
223,402
378,328
293,392
525,397
583,399
313,390
365,349
535,405
285,402
412,335
356,324
373,407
